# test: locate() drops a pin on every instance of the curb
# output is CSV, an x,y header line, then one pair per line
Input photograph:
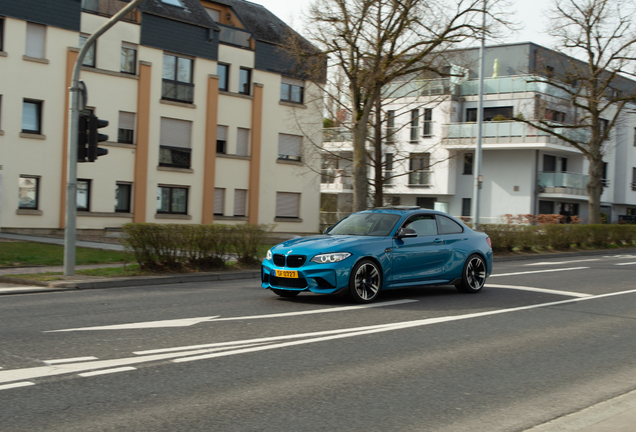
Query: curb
x,y
38,286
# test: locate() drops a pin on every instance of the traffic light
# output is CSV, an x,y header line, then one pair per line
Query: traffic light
x,y
94,138
82,138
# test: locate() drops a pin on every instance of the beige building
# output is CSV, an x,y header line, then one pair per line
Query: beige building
x,y
209,120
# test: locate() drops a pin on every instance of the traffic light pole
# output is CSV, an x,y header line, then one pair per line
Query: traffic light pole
x,y
71,179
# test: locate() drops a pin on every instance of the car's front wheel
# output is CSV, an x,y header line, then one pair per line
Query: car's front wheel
x,y
285,293
473,275
365,281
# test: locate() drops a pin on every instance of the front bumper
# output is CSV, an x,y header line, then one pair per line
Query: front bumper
x,y
317,278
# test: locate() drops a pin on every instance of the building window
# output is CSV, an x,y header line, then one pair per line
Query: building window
x,y
287,205
634,179
83,195
604,180
126,131
223,71
176,3
1,34
634,137
219,201
35,40
242,142
89,58
172,200
419,167
289,147
415,122
490,114
221,139
28,192
32,116
214,14
177,79
108,8
468,163
604,123
428,122
240,202
466,206
245,80
122,197
174,143
390,126
388,168
553,115
291,90
128,58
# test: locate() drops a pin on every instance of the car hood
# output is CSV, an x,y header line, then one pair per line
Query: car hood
x,y
324,243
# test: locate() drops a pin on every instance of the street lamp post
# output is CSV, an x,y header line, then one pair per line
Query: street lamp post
x,y
478,178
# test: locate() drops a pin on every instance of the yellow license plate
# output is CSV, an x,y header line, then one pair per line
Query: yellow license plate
x,y
287,273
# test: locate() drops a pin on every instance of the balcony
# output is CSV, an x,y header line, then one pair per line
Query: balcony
x,y
416,88
335,180
108,8
509,85
234,37
506,132
564,183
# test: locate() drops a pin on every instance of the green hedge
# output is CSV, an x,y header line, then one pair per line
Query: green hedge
x,y
178,247
509,237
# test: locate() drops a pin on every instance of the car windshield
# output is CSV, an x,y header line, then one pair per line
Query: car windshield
x,y
366,224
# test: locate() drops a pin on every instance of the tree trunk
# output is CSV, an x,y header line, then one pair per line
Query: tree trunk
x,y
359,170
377,144
595,189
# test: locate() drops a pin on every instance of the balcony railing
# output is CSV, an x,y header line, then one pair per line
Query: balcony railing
x,y
415,88
511,84
563,182
177,91
336,179
108,8
234,37
420,178
342,135
509,129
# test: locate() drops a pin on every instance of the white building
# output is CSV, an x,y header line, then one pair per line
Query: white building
x,y
430,137
204,110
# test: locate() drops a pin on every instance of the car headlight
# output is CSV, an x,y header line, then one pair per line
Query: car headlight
x,y
269,255
330,257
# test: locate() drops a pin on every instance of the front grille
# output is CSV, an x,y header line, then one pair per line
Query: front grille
x,y
279,260
287,282
295,261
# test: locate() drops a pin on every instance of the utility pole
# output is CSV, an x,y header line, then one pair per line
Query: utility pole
x,y
478,178
71,180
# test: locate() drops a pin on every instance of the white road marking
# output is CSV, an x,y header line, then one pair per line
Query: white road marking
x,y
619,256
561,262
31,373
543,290
538,271
68,360
107,371
16,385
626,263
191,321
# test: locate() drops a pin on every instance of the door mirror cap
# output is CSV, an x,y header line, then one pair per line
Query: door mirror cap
x,y
406,232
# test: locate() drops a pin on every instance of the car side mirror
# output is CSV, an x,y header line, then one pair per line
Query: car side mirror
x,y
406,232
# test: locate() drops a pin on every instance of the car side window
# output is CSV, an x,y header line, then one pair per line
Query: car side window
x,y
448,226
424,225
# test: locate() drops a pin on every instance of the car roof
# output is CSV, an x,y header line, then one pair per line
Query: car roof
x,y
401,210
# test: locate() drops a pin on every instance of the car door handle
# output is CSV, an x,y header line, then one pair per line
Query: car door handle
x,y
438,241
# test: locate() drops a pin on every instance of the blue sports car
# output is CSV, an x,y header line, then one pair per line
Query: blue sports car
x,y
380,249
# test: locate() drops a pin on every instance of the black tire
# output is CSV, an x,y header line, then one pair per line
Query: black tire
x,y
365,281
285,293
473,275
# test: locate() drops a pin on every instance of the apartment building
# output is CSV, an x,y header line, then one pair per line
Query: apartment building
x,y
429,141
207,115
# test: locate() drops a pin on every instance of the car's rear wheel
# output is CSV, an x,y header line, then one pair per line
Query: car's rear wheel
x,y
285,293
365,281
473,275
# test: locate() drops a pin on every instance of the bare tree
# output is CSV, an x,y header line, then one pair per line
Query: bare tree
x,y
374,42
601,34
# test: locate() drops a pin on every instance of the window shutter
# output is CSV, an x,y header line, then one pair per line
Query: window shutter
x,y
242,141
287,204
126,120
240,202
219,201
35,40
221,133
175,133
289,145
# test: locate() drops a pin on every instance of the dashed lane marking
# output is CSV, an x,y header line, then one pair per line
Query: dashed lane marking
x,y
542,290
107,371
539,271
561,262
68,360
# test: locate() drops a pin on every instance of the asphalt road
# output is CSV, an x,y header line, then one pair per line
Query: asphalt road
x,y
544,338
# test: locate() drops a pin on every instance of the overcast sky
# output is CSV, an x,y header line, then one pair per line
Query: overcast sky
x,y
529,13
